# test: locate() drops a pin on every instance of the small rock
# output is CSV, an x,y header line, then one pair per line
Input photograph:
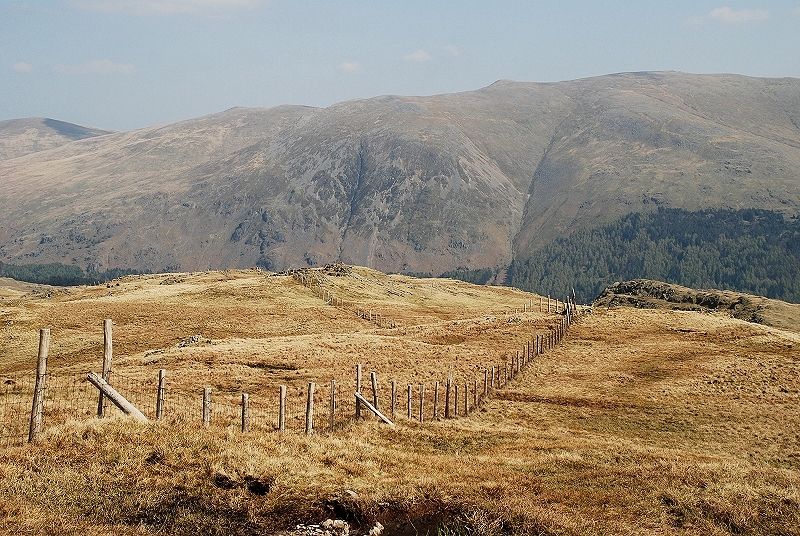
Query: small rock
x,y
377,530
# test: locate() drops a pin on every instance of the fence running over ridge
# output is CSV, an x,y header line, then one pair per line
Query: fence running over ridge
x,y
29,402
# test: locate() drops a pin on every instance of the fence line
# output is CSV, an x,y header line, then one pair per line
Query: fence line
x,y
314,283
328,406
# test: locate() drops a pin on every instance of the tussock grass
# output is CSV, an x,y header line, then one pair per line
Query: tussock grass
x,y
641,422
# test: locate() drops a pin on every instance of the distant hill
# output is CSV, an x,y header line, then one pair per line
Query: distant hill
x,y
19,137
463,183
649,294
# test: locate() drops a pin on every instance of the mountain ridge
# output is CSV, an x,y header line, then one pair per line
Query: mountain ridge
x,y
471,179
27,135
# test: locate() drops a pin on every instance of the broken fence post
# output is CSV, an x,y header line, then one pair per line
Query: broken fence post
x,y
374,410
115,397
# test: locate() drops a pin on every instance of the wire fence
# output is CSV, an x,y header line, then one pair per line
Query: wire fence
x,y
67,396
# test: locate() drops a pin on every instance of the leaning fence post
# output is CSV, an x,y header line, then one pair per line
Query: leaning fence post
x,y
455,400
310,409
332,414
107,355
409,401
245,412
358,390
39,387
282,408
160,394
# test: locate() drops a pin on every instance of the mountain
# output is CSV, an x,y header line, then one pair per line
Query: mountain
x,y
19,137
470,180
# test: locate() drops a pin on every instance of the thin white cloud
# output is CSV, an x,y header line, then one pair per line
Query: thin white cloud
x,y
22,67
453,50
162,7
349,67
418,56
96,67
728,15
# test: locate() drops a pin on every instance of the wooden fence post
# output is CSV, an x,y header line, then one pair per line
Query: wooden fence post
x,y
466,398
310,409
358,390
409,401
107,355
422,402
447,388
455,400
485,383
282,408
332,413
39,387
541,306
245,412
373,376
474,393
436,401
160,394
207,406
394,398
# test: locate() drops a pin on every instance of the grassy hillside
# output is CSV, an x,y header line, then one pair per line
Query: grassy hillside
x,y
642,421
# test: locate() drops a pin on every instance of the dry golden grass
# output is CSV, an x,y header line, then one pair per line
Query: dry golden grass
x,y
641,422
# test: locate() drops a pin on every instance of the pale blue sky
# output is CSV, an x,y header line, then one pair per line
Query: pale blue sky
x,y
122,64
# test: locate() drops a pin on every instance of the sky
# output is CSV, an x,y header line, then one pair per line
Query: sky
x,y
126,64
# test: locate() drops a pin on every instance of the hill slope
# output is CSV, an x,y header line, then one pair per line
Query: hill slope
x,y
19,137
658,295
417,184
639,422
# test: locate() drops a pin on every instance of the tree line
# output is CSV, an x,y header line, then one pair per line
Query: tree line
x,y
59,274
752,251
